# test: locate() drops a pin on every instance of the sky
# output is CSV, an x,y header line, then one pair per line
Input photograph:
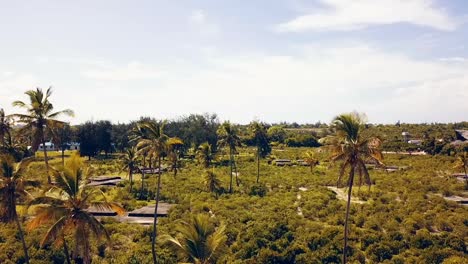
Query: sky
x,y
271,60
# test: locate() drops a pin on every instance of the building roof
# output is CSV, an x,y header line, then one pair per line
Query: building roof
x,y
462,134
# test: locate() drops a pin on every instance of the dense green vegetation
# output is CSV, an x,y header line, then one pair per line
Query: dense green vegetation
x,y
232,203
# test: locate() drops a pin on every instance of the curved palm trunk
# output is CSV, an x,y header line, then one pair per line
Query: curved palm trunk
x,y
258,164
46,159
350,188
153,242
23,242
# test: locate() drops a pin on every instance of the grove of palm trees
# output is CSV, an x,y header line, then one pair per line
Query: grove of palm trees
x,y
238,193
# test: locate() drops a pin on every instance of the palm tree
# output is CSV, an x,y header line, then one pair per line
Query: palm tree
x,y
353,150
155,144
66,206
40,117
174,144
198,240
5,130
205,155
12,187
228,138
462,163
260,137
211,182
130,162
311,159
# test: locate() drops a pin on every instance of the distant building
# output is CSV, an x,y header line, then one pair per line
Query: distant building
x,y
49,146
462,135
74,146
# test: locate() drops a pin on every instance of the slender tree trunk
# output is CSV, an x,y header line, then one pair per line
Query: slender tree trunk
x,y
350,188
153,242
142,184
258,164
130,178
23,242
235,170
65,250
230,165
49,180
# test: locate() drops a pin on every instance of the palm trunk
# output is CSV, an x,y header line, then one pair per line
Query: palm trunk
x,y
46,159
153,242
23,242
65,250
235,170
130,177
258,164
230,165
345,244
142,184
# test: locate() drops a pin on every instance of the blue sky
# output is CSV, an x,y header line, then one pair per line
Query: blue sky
x,y
272,60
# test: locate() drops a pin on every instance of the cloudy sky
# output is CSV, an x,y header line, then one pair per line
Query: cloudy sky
x,y
273,60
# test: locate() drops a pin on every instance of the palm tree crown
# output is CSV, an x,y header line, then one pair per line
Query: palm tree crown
x,y
198,240
228,138
205,154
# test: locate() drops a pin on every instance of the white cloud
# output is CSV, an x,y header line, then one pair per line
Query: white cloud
x,y
131,71
346,15
199,22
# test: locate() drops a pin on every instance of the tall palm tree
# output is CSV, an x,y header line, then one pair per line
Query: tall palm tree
x,y
311,159
155,144
260,137
39,119
198,240
66,206
353,150
174,144
228,137
205,154
130,163
462,163
211,182
12,187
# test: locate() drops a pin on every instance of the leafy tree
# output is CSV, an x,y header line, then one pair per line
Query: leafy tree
x,y
205,154
195,129
39,118
12,187
277,134
353,150
120,136
130,163
228,137
103,136
260,137
66,206
199,241
88,140
311,159
155,144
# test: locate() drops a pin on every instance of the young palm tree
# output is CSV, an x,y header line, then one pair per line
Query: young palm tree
x,y
66,206
155,144
205,154
12,187
211,182
174,144
228,138
353,150
461,164
198,240
260,137
40,117
311,159
130,162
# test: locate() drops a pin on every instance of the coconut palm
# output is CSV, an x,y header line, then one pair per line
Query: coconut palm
x,y
198,241
205,154
155,144
311,159
353,150
174,144
130,163
211,182
461,164
12,187
260,138
39,119
66,206
228,138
